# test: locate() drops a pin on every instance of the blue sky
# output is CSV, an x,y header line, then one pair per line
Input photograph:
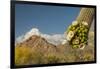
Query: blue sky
x,y
48,19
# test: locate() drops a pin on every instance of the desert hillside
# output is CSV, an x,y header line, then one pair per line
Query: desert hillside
x,y
37,50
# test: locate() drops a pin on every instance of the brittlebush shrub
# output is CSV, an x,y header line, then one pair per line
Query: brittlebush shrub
x,y
51,58
24,55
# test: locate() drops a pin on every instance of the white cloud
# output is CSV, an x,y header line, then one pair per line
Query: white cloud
x,y
33,31
55,39
20,39
64,42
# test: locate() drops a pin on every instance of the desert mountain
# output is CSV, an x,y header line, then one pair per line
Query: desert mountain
x,y
37,42
54,39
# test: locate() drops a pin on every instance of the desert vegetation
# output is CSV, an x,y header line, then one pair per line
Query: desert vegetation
x,y
28,55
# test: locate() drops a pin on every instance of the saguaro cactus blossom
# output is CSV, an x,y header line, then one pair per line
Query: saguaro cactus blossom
x,y
77,32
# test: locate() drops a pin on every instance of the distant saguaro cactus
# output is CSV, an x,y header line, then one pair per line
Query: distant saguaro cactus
x,y
77,32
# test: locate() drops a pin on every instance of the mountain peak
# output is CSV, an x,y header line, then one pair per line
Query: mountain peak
x,y
33,31
55,39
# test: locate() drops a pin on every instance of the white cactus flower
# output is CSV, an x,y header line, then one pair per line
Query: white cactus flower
x,y
85,23
64,42
70,35
82,46
74,23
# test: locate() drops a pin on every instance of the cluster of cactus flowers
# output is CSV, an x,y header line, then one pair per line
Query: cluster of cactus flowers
x,y
77,34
